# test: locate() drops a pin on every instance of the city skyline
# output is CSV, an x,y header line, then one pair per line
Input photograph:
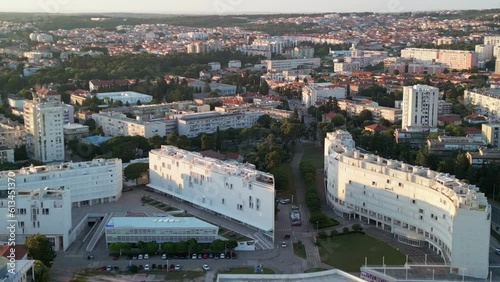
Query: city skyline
x,y
239,6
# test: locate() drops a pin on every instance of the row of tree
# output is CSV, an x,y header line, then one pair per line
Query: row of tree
x,y
190,246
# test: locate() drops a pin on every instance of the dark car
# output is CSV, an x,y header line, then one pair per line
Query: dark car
x,y
172,267
234,256
228,255
141,267
210,256
205,256
153,266
115,257
89,257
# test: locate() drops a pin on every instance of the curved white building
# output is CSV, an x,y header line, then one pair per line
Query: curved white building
x,y
420,207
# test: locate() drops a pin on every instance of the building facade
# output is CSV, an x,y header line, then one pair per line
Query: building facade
x,y
444,145
311,94
159,230
483,156
422,208
126,97
92,182
491,134
229,189
117,124
194,124
6,155
485,102
283,65
45,210
453,59
43,121
420,106
353,108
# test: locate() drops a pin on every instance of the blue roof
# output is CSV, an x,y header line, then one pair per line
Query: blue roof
x,y
157,222
96,140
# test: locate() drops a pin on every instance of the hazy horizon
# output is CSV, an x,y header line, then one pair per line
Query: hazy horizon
x,y
211,7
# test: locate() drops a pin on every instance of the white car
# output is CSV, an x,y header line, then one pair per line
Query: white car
x,y
146,256
146,267
222,256
194,256
164,256
283,245
140,257
109,268
206,267
178,267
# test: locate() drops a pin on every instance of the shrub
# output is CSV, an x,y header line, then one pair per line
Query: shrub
x,y
357,227
322,235
346,230
334,233
134,268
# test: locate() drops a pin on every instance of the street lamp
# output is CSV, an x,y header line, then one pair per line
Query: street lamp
x,y
317,229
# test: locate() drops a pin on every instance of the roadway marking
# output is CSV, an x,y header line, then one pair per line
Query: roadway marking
x,y
73,256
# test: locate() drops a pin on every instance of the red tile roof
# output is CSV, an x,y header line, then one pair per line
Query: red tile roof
x,y
21,251
375,127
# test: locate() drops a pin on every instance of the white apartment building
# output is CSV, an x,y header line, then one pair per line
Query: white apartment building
x,y
346,67
354,108
227,188
317,92
492,40
491,134
194,124
44,210
485,102
214,66
420,106
283,65
68,113
234,64
43,121
496,51
75,131
12,134
117,124
93,182
420,55
453,59
6,155
24,271
422,208
159,230
125,97
484,52
16,102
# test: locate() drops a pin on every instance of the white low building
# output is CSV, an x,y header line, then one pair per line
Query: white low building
x,y
92,182
125,97
159,230
194,124
422,208
311,94
118,124
292,64
484,101
44,210
227,188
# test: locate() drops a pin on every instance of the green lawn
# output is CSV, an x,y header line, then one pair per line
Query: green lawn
x,y
231,235
299,250
245,270
315,155
85,274
348,252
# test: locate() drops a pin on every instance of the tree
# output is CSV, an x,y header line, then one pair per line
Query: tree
x,y
280,178
217,245
338,120
207,142
42,272
168,247
191,245
173,139
91,124
134,268
231,244
264,88
39,248
265,121
147,247
365,115
118,247
273,160
135,171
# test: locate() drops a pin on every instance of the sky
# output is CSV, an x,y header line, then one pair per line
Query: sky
x,y
239,6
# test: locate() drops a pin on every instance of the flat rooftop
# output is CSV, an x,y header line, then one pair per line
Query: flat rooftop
x,y
324,276
157,222
127,94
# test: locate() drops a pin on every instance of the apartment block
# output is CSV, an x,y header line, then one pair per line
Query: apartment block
x,y
491,134
354,108
485,102
446,144
283,65
45,210
227,188
318,92
117,124
194,124
420,106
43,121
453,59
420,207
6,155
93,182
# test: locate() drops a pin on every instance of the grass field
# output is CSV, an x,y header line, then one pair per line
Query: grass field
x,y
86,275
245,270
348,252
299,250
314,155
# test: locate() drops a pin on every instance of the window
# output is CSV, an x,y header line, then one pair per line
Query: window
x,y
374,183
223,201
388,181
421,211
45,211
413,201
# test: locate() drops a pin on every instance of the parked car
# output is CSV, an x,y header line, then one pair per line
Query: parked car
x,y
165,266
146,256
141,267
178,267
285,201
134,257
234,255
210,256
228,255
200,256
115,257
172,266
194,256
140,257
89,257
205,256
206,267
283,244
146,267
109,268
153,266
222,256
164,256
